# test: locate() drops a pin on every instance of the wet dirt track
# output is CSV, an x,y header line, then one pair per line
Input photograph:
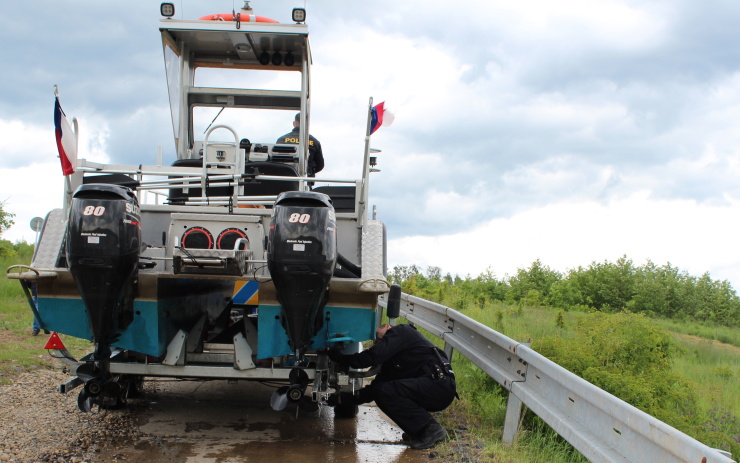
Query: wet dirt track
x,y
221,422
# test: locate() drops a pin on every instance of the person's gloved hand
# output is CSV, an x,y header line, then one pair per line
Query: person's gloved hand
x,y
337,357
333,400
340,398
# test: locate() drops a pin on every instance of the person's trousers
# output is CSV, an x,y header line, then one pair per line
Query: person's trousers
x,y
408,401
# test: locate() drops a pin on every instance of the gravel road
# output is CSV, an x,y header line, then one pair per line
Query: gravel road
x,y
38,424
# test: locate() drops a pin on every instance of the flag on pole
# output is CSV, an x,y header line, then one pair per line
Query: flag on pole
x,y
66,139
380,117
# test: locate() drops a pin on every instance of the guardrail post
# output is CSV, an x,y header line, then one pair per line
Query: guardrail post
x,y
511,423
448,350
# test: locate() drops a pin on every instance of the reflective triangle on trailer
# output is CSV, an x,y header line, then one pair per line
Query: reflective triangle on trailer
x,y
54,342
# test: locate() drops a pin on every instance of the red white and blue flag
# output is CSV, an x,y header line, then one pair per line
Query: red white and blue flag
x,y
66,140
381,117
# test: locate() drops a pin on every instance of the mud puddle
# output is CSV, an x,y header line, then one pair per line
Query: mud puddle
x,y
221,422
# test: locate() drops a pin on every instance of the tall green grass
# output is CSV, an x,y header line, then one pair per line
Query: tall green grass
x,y
708,330
11,289
20,351
714,369
484,401
12,295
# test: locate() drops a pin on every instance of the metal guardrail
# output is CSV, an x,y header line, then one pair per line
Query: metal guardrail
x,y
600,426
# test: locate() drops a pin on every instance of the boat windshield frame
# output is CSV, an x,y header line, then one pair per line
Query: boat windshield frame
x,y
192,45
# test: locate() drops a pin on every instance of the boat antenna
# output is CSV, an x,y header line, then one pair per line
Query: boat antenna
x,y
214,119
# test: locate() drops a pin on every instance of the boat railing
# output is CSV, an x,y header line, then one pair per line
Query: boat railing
x,y
159,182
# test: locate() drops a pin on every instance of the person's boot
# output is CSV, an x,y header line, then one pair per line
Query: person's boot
x,y
432,433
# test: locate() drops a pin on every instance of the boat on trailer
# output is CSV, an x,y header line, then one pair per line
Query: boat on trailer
x,y
230,263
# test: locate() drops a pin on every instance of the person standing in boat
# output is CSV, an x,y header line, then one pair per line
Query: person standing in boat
x,y
415,378
315,155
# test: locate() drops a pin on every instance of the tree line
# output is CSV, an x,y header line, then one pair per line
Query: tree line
x,y
663,291
656,291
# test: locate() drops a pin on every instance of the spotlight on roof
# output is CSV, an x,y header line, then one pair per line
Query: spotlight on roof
x,y
289,59
299,15
167,9
264,58
277,58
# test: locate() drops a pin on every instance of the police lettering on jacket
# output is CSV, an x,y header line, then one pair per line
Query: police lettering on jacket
x,y
295,141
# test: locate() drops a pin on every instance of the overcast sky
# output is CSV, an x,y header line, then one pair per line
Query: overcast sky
x,y
570,131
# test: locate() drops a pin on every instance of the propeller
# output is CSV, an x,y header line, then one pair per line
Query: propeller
x,y
279,399
84,401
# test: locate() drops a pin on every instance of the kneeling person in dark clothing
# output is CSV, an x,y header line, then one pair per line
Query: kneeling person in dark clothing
x,y
414,379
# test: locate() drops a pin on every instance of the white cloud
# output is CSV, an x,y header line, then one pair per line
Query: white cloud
x,y
694,237
523,130
23,143
29,192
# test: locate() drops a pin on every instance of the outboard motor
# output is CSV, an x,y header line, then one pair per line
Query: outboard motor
x,y
103,244
302,253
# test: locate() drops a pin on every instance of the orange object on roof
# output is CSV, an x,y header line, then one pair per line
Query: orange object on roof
x,y
242,17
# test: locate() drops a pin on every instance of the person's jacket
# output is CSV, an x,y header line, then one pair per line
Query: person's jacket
x,y
315,155
403,353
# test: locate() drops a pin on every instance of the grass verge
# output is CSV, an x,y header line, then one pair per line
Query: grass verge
x,y
711,368
20,350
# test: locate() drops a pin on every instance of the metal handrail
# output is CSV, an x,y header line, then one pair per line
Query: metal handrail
x,y
180,178
601,426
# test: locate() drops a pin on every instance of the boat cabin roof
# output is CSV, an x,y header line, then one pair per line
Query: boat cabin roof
x,y
222,44
190,45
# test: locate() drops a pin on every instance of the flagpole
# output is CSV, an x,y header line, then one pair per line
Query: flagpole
x,y
68,178
366,165
67,199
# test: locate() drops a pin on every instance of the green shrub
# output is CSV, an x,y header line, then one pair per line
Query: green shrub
x,y
722,429
499,315
486,398
630,357
7,249
560,320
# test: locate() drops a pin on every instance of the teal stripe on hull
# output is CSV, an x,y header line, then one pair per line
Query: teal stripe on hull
x,y
153,326
179,304
68,316
147,333
356,323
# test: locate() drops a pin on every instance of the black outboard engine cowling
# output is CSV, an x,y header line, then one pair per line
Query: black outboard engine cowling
x,y
103,244
302,253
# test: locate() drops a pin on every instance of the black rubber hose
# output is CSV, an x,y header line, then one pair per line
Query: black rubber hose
x,y
354,270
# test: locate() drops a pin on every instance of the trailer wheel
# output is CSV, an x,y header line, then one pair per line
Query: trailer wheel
x,y
131,387
113,403
136,387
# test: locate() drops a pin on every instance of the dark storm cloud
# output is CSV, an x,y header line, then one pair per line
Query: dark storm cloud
x,y
106,61
528,89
